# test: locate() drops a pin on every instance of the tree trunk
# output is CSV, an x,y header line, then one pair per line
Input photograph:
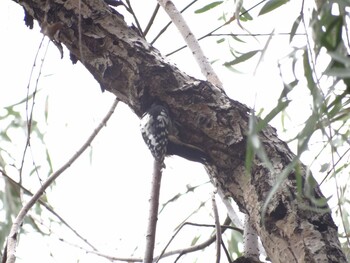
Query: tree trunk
x,y
126,65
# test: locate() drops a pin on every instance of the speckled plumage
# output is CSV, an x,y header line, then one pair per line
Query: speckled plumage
x,y
155,129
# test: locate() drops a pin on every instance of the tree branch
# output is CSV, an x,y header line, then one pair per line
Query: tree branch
x,y
191,42
153,211
206,243
13,235
62,220
217,228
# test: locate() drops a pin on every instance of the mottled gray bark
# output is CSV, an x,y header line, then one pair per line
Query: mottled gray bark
x,y
126,65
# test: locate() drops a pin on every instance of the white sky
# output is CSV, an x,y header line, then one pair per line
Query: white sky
x,y
97,198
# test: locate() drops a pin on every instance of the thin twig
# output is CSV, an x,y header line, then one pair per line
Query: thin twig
x,y
217,227
12,237
178,195
167,25
331,170
150,23
29,117
64,222
227,253
253,34
216,29
134,16
100,254
206,243
153,211
30,120
114,258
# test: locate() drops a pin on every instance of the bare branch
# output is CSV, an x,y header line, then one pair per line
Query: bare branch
x,y
29,112
103,255
150,22
191,42
14,231
251,245
199,246
153,211
131,10
217,227
168,24
64,222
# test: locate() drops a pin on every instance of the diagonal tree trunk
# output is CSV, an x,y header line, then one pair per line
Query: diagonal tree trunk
x,y
127,66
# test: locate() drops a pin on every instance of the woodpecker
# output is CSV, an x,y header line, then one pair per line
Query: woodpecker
x,y
155,125
157,132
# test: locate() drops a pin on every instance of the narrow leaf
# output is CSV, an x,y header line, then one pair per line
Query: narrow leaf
x,y
220,40
272,114
242,58
195,240
245,16
338,72
271,5
264,50
294,28
208,7
340,57
324,167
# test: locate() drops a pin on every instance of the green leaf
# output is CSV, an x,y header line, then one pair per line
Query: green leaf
x,y
263,51
49,162
333,35
34,170
324,167
46,112
311,84
255,146
294,28
245,16
279,180
194,240
282,104
23,100
220,40
338,72
237,38
271,5
242,58
208,7
340,57
234,244
4,136
305,135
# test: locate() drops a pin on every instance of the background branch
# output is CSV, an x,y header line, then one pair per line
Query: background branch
x,y
13,235
62,220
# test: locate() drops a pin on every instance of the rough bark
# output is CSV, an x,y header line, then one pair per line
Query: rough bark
x,y
126,65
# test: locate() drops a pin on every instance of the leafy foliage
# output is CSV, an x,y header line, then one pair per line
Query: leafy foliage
x,y
323,59
11,192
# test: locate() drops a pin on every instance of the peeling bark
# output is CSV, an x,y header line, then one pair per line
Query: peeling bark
x,y
127,66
